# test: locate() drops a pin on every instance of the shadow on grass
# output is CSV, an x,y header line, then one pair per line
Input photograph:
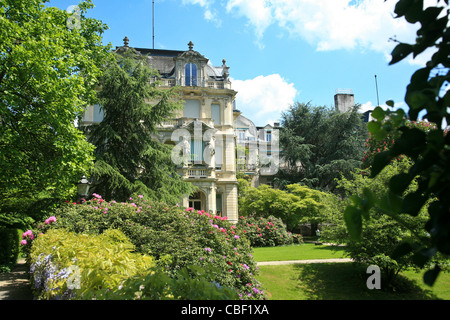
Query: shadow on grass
x,y
347,281
331,248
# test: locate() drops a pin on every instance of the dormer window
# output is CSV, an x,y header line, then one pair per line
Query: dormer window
x,y
190,73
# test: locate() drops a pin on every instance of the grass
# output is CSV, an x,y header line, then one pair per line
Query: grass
x,y
335,281
298,252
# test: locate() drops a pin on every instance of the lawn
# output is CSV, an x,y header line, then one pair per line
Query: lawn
x,y
335,281
298,252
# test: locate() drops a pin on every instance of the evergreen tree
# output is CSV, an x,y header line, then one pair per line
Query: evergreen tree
x,y
128,160
319,145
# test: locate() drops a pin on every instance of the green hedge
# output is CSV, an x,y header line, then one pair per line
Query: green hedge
x,y
9,248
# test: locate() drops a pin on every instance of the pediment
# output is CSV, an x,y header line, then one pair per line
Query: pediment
x,y
190,125
192,55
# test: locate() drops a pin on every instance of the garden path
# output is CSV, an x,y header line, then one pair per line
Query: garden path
x,y
15,285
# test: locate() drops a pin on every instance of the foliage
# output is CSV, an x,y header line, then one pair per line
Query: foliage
x,y
48,74
320,144
176,238
128,159
381,234
266,232
65,265
9,248
295,205
189,284
375,146
429,151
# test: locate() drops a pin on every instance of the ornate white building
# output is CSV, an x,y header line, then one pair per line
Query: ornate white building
x,y
203,132
212,140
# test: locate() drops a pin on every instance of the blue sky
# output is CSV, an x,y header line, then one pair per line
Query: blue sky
x,y
279,51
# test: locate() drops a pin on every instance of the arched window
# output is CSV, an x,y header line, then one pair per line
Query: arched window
x,y
190,72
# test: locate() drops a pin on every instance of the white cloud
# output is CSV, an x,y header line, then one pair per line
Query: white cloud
x,y
210,13
264,97
329,24
258,12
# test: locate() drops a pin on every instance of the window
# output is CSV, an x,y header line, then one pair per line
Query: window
x,y
190,72
219,206
195,201
197,149
98,113
218,156
268,136
215,113
241,135
192,109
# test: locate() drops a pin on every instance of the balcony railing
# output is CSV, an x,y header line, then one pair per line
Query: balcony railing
x,y
199,173
173,123
200,83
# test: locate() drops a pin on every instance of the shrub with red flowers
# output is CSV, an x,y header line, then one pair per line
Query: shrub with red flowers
x,y
29,235
375,146
176,237
266,232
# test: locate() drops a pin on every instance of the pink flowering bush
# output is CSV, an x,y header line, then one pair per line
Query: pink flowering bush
x,y
266,232
177,238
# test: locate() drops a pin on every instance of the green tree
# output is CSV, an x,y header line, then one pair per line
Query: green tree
x,y
381,234
294,206
128,160
48,73
319,145
430,151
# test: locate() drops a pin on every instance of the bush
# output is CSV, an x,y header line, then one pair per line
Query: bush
x,y
65,265
175,237
189,284
9,248
381,235
294,206
266,232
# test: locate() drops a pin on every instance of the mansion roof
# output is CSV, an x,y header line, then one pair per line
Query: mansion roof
x,y
164,61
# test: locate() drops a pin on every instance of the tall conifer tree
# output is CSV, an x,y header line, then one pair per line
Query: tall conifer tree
x,y
319,145
128,159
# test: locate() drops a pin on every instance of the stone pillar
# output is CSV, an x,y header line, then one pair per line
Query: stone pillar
x,y
231,202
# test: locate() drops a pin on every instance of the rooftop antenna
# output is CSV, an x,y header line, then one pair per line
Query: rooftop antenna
x,y
376,86
153,22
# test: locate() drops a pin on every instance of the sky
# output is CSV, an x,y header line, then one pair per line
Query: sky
x,y
279,51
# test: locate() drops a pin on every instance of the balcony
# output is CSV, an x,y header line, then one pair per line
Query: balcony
x,y
180,122
200,172
212,84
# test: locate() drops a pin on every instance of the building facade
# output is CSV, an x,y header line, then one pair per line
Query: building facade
x,y
202,133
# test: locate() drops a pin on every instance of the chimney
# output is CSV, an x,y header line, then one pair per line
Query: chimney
x,y
344,100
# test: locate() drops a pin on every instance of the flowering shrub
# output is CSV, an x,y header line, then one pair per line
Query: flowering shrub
x,y
375,146
266,232
177,238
